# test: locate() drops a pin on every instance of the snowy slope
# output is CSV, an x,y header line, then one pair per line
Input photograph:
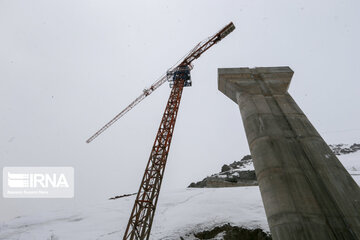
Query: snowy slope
x,y
179,213
351,162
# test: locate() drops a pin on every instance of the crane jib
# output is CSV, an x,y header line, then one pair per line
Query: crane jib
x,y
195,53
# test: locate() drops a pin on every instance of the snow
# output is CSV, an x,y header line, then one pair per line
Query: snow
x,y
351,162
220,175
179,213
247,166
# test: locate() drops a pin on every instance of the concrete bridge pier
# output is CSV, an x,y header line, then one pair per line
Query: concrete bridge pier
x,y
307,193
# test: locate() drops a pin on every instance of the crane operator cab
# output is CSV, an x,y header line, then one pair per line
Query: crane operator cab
x,y
181,72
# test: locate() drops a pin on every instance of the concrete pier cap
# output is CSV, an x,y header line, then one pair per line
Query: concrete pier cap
x,y
306,191
235,80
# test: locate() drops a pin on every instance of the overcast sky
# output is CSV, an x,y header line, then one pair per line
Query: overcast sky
x,y
67,67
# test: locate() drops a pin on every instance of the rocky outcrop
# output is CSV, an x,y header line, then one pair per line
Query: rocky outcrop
x,y
242,178
238,173
228,232
241,173
340,149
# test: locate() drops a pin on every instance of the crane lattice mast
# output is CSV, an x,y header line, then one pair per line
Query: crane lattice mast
x,y
142,214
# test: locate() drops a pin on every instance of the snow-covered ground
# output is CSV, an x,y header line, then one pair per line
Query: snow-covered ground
x,y
351,162
179,213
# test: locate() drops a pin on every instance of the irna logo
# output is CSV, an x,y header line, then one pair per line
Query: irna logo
x,y
42,182
34,180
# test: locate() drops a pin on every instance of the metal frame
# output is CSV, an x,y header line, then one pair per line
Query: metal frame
x,y
142,215
139,225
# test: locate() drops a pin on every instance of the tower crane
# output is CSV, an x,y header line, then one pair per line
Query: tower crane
x,y
178,76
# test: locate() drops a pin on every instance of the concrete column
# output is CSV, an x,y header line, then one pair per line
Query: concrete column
x,y
307,193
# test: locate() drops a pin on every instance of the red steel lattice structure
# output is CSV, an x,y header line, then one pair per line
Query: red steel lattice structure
x,y
142,215
140,221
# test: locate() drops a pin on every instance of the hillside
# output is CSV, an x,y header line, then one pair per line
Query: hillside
x,y
180,214
242,173
236,174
